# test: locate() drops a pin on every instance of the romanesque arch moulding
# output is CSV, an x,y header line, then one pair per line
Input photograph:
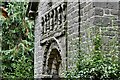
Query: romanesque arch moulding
x,y
52,57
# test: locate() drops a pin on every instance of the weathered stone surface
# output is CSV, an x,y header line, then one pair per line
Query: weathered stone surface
x,y
95,12
106,21
84,18
78,21
99,4
81,13
97,20
82,5
107,11
88,7
115,22
112,5
108,5
114,12
98,11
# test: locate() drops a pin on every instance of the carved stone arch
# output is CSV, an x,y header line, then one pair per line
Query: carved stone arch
x,y
52,57
53,62
45,57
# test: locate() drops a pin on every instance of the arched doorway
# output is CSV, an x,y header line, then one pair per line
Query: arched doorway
x,y
54,61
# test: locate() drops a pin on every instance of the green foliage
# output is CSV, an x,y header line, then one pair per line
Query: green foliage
x,y
17,42
96,65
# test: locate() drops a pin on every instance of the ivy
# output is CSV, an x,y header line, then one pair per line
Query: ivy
x,y
17,42
96,65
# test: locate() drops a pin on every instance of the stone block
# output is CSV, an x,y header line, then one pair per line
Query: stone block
x,y
72,30
70,10
75,13
108,33
73,21
81,13
69,17
99,4
85,17
97,20
106,5
112,5
76,4
98,11
115,22
95,11
88,7
106,21
114,12
107,11
69,5
91,13
82,5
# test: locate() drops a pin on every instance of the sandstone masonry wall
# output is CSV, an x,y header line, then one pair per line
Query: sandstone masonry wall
x,y
83,20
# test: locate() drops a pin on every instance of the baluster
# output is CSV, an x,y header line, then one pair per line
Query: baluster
x,y
42,23
64,6
51,20
59,15
55,19
48,22
45,27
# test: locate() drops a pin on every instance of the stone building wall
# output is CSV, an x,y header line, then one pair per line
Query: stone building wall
x,y
50,34
64,28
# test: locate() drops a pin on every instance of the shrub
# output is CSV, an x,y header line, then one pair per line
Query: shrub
x,y
96,65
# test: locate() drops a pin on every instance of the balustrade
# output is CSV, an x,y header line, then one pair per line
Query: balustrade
x,y
54,19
